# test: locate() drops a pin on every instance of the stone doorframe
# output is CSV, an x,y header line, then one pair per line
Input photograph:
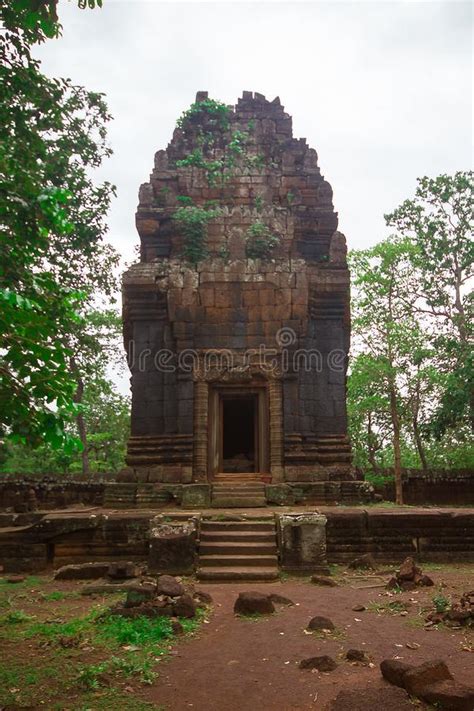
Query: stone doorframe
x,y
206,388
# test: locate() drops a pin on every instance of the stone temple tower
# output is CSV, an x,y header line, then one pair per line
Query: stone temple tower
x,y
236,318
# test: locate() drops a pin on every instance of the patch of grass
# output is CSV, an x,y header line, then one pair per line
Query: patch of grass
x,y
252,617
416,621
55,595
335,634
53,630
112,699
19,681
139,631
393,607
30,581
64,675
15,617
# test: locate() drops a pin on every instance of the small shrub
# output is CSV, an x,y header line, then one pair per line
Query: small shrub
x,y
193,221
260,242
441,602
15,617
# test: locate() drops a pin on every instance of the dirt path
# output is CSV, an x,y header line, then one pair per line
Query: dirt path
x,y
248,665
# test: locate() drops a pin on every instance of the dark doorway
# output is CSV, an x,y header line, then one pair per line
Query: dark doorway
x,y
239,433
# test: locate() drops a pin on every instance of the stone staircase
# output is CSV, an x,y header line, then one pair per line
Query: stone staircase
x,y
238,550
238,491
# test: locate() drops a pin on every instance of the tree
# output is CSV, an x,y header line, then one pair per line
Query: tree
x,y
437,223
53,258
386,331
368,410
413,333
106,416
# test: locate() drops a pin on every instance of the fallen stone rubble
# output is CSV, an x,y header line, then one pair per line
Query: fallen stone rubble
x,y
431,682
459,614
409,577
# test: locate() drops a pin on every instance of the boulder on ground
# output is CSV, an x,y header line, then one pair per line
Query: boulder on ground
x,y
202,597
281,600
418,678
366,562
253,603
432,682
14,579
425,581
104,587
357,655
184,606
139,593
320,623
177,627
368,698
324,581
393,671
167,585
153,608
322,664
123,570
408,569
450,695
82,571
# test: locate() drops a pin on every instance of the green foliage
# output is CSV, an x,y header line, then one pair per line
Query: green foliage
x,y
441,602
438,226
52,134
260,241
106,416
193,221
137,631
15,617
412,326
214,112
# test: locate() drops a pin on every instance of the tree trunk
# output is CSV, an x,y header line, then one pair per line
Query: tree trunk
x,y
80,422
415,408
370,447
396,445
419,445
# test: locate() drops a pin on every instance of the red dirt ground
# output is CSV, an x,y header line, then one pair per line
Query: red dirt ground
x,y
247,665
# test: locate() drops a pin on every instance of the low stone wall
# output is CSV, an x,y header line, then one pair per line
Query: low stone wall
x,y
392,534
30,494
55,539
437,487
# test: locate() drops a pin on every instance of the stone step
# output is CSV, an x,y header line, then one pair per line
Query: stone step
x,y
240,502
226,547
239,573
237,488
243,526
236,561
238,476
238,537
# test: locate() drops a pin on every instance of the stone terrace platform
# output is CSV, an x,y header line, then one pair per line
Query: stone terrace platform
x,y
296,539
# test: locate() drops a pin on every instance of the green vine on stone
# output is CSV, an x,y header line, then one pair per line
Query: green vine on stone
x,y
260,241
216,111
193,221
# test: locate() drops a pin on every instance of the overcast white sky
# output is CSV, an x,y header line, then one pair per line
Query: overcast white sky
x,y
382,90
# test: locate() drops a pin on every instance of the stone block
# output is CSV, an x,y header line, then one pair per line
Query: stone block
x,y
196,496
279,494
172,546
303,542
